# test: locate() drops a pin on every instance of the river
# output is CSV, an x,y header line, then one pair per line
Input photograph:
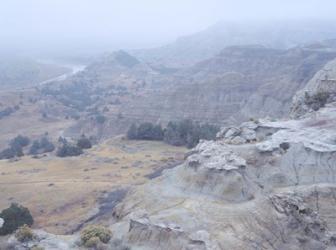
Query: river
x,y
75,68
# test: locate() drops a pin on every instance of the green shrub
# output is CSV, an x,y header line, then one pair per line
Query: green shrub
x,y
6,112
77,94
92,242
14,217
67,150
15,148
148,131
46,145
132,133
93,234
62,140
9,153
24,233
172,135
188,133
317,100
145,131
180,133
84,143
20,141
100,119
41,146
34,149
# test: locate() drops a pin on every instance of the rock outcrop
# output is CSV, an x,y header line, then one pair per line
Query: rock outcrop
x,y
272,190
237,84
162,235
43,240
239,135
320,90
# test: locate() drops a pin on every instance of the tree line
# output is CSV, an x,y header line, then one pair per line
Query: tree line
x,y
178,133
44,145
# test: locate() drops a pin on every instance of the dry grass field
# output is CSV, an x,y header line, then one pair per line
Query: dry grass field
x,y
62,193
28,119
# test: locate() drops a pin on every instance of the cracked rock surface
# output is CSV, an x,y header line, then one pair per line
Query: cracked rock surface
x,y
275,190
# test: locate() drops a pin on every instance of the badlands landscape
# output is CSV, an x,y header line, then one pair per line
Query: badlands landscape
x,y
223,139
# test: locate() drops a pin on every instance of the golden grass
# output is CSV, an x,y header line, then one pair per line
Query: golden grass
x,y
28,119
62,192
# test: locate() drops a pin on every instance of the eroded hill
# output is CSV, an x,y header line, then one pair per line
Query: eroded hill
x,y
238,84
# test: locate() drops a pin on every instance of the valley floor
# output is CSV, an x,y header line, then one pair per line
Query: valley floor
x,y
64,193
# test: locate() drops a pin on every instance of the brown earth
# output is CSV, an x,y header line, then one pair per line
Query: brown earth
x,y
62,193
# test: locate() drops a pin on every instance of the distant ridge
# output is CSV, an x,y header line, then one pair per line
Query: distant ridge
x,y
209,42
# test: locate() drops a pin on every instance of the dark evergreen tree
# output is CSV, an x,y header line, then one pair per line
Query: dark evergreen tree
x,y
46,145
15,148
20,141
180,133
67,150
157,133
34,149
100,119
84,143
188,133
62,140
14,217
8,153
172,135
145,131
41,146
132,133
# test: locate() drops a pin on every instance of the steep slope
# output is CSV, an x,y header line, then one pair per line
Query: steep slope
x,y
117,67
321,89
238,83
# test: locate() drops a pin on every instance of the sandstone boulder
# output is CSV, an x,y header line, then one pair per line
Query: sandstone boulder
x,y
239,135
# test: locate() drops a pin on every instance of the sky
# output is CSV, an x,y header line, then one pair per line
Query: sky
x,y
114,24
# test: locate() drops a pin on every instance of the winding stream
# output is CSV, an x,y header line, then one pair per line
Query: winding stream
x,y
75,68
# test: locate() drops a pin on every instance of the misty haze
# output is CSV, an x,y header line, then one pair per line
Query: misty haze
x,y
166,125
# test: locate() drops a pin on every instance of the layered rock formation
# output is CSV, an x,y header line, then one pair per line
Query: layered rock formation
x,y
320,90
273,190
237,84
